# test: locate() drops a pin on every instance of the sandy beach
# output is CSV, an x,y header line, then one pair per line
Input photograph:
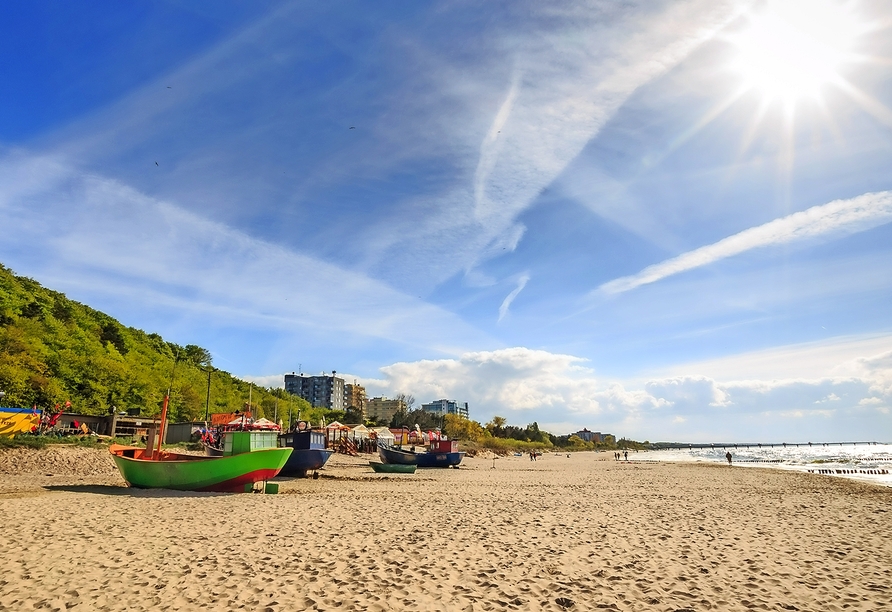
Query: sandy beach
x,y
582,532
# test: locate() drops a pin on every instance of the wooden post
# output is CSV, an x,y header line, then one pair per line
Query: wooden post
x,y
150,443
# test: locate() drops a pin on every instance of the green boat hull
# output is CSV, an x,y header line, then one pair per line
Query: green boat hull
x,y
393,468
231,474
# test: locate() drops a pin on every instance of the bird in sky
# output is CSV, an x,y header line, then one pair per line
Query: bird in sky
x,y
156,163
352,127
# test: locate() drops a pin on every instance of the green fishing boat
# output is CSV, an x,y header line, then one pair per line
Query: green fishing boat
x,y
249,457
144,469
393,468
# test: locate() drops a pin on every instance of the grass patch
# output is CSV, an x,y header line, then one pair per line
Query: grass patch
x,y
23,441
38,442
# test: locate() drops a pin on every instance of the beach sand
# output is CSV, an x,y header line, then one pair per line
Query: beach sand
x,y
578,533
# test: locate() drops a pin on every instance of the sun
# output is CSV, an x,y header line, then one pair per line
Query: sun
x,y
793,49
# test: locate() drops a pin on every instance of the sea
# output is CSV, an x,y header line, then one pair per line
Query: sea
x,y
862,461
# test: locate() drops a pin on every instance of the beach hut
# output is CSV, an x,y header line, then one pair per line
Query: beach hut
x,y
384,435
263,423
400,435
334,431
360,432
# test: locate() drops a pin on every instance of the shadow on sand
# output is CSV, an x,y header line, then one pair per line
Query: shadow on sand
x,y
130,491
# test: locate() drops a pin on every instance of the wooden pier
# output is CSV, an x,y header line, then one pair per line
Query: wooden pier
x,y
739,445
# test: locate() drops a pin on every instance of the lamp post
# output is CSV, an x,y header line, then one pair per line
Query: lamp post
x,y
207,404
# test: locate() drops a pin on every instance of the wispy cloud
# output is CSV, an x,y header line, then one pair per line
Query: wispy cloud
x,y
838,217
505,126
506,303
841,357
567,79
111,237
490,147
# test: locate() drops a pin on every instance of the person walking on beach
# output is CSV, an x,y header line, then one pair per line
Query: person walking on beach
x,y
728,457
626,455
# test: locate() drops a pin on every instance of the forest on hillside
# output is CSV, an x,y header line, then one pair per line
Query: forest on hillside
x,y
54,350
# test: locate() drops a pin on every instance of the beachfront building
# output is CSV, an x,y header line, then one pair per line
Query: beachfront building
x,y
355,397
383,409
445,406
589,436
321,391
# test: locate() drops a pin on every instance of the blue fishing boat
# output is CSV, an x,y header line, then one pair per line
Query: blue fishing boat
x,y
308,450
442,453
391,454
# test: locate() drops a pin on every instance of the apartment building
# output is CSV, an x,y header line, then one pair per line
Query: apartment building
x,y
383,409
356,397
445,406
321,391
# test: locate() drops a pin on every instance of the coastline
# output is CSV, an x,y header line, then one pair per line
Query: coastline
x,y
862,463
637,535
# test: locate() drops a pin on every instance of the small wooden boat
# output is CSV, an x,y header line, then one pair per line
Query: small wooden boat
x,y
145,469
393,468
308,451
392,454
442,453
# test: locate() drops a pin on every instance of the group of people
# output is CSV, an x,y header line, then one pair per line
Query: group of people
x,y
616,456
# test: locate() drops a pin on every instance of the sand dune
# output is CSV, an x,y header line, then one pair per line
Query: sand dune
x,y
578,533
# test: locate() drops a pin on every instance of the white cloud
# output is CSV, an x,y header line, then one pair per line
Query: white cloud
x,y
800,414
833,397
838,217
688,392
270,381
561,390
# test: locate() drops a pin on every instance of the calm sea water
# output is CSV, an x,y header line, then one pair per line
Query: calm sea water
x,y
846,461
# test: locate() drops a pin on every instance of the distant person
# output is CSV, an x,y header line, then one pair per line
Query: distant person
x,y
728,457
626,455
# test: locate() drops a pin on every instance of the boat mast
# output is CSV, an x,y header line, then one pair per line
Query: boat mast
x,y
164,407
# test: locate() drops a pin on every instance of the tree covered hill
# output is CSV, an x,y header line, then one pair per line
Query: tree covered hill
x,y
54,350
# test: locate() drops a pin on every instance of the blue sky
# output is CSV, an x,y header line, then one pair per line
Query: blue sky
x,y
664,220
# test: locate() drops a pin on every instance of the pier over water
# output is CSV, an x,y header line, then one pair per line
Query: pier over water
x,y
738,445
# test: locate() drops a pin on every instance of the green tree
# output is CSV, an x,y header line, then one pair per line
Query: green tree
x,y
457,427
53,349
496,426
353,415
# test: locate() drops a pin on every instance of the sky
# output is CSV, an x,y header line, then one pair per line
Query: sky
x,y
665,220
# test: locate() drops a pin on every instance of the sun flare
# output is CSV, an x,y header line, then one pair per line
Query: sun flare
x,y
793,49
